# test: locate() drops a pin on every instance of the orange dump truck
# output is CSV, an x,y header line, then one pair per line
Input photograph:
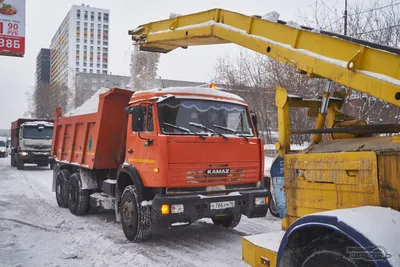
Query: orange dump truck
x,y
161,157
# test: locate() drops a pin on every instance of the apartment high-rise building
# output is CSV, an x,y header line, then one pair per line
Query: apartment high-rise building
x,y
80,45
43,68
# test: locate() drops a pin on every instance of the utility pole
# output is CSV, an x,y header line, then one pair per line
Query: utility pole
x,y
345,17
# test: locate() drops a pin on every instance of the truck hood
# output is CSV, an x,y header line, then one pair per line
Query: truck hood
x,y
213,161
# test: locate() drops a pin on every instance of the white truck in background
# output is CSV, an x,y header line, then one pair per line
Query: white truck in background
x,y
3,147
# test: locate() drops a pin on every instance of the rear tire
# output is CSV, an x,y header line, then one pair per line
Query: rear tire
x,y
135,218
230,221
78,199
61,188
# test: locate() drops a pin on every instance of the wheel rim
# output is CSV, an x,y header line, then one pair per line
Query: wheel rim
x,y
128,213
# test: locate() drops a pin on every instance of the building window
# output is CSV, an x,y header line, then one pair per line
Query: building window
x,y
78,39
85,29
85,41
92,16
78,23
99,16
86,24
105,49
105,26
94,80
105,43
84,70
78,14
94,88
98,26
98,71
91,65
104,66
84,64
98,42
91,41
78,28
104,72
85,15
105,17
98,65
91,71
77,69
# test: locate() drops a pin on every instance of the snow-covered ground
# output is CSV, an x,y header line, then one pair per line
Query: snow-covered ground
x,y
34,231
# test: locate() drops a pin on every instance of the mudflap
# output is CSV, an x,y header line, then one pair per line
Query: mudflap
x,y
102,201
278,182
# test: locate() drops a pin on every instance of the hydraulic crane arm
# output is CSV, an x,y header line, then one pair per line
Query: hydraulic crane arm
x,y
365,67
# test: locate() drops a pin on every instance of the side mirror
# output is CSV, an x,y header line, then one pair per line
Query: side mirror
x,y
254,119
137,118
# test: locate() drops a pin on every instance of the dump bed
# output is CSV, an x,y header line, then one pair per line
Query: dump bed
x,y
15,127
94,140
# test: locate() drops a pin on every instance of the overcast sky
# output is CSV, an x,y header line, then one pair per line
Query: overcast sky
x,y
196,63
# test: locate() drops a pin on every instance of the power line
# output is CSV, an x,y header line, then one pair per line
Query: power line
x,y
333,23
389,27
378,8
328,8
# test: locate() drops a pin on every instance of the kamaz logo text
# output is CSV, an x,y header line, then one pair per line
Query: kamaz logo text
x,y
218,171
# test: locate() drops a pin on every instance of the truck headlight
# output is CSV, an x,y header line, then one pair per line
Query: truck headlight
x,y
24,153
177,208
2,150
261,201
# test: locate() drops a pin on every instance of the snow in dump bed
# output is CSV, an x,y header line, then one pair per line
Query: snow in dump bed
x,y
380,225
90,106
36,123
174,15
194,90
271,16
270,241
340,63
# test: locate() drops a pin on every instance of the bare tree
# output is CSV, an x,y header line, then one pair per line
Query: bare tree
x,y
144,67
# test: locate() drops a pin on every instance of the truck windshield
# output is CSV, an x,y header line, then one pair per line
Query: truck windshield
x,y
187,113
37,132
2,144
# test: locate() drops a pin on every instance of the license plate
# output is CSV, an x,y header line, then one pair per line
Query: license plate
x,y
222,205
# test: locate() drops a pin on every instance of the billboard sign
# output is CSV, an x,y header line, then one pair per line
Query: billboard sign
x,y
12,27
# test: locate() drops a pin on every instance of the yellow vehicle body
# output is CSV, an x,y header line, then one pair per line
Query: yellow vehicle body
x,y
347,170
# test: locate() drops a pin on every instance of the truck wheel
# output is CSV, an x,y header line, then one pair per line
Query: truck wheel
x,y
135,218
273,209
61,188
20,164
13,162
330,251
230,221
51,165
78,199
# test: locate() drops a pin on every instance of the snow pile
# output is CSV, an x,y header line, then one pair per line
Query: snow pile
x,y
90,106
292,147
174,15
316,30
271,16
146,203
293,24
267,166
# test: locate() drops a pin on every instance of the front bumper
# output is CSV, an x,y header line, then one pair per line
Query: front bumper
x,y
199,206
35,157
3,153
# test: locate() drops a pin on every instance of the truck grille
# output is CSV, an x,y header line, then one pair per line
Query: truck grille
x,y
182,175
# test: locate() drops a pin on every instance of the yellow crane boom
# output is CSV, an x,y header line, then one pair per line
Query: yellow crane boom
x,y
365,67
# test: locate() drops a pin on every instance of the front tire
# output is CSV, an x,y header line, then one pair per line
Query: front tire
x,y
78,199
20,164
230,221
135,218
61,188
13,161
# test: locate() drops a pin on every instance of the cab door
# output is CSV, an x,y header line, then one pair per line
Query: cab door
x,y
141,143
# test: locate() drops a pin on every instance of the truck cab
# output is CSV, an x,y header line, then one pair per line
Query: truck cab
x,y
32,140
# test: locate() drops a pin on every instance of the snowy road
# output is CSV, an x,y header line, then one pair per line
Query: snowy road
x,y
34,231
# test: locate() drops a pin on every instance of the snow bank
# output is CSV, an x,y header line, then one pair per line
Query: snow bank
x,y
292,147
145,203
271,16
90,106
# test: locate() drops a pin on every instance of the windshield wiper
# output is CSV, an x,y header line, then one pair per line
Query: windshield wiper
x,y
184,130
201,126
231,130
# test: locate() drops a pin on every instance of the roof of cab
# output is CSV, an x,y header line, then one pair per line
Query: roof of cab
x,y
188,92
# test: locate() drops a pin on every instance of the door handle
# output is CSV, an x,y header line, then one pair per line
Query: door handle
x,y
130,151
